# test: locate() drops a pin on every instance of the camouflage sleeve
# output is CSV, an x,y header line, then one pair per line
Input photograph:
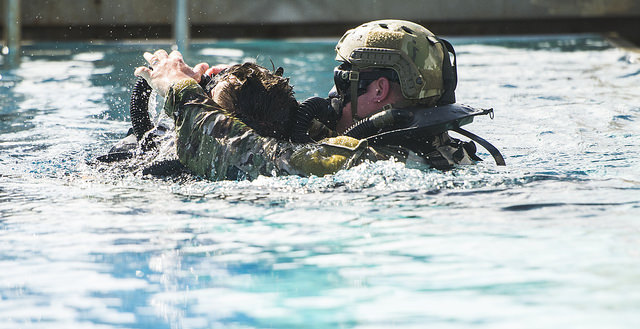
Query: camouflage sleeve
x,y
213,143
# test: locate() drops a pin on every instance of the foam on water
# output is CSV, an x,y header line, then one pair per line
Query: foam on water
x,y
551,240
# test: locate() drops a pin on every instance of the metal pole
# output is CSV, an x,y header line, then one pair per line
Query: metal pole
x,y
181,25
11,51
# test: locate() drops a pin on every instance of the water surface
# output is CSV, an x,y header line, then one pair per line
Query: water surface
x,y
552,240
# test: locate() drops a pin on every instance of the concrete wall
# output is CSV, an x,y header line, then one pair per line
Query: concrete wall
x,y
105,12
118,19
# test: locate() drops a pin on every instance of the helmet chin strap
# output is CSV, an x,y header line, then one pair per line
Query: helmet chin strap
x,y
354,77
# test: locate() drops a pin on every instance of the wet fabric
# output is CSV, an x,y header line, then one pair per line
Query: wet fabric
x,y
214,144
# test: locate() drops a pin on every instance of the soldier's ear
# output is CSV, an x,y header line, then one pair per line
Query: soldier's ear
x,y
382,88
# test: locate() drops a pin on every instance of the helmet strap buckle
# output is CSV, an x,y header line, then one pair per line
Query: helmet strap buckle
x,y
354,76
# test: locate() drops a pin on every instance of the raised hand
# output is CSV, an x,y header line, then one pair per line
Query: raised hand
x,y
167,69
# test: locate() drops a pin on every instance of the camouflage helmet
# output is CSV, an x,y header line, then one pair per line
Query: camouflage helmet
x,y
411,50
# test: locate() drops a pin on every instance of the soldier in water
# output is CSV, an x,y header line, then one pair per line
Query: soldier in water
x,y
243,125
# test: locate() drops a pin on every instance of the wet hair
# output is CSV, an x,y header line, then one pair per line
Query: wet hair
x,y
262,99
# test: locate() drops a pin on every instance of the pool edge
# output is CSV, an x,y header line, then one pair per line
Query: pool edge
x,y
624,44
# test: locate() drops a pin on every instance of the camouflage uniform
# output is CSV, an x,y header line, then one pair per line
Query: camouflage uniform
x,y
214,144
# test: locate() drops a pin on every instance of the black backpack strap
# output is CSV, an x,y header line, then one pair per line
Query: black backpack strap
x,y
492,149
449,74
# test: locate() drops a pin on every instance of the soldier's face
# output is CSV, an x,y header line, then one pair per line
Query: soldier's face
x,y
367,105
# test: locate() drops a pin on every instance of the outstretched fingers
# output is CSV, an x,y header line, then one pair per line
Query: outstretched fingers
x,y
200,69
216,69
161,54
148,57
165,69
157,57
143,72
174,54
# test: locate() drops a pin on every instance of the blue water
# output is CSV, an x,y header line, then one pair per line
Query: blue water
x,y
550,241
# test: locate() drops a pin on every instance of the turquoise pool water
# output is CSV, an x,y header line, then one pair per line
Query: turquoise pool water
x,y
550,241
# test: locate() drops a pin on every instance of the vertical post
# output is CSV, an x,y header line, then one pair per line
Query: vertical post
x,y
11,51
181,25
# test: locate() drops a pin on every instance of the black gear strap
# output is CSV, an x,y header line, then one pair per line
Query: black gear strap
x,y
492,149
449,74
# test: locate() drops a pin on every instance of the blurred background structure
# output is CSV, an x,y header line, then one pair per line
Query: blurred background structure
x,y
182,20
126,19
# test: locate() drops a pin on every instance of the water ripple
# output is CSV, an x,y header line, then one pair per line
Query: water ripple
x,y
379,245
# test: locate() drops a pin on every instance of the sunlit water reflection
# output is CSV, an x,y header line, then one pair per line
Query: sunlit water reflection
x,y
552,240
